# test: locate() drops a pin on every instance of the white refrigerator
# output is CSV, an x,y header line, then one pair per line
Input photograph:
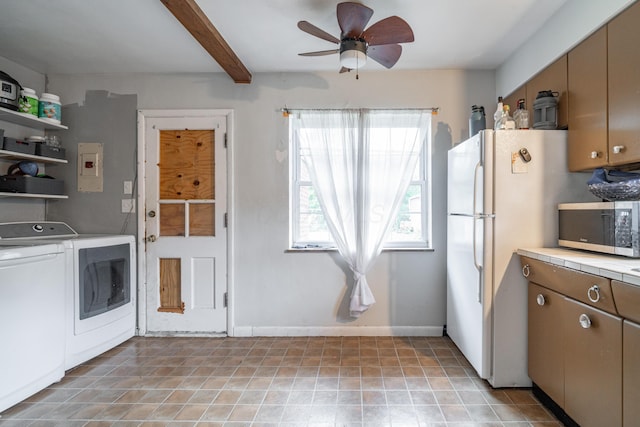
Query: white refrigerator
x,y
503,189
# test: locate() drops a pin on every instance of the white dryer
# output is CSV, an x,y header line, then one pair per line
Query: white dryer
x,y
100,282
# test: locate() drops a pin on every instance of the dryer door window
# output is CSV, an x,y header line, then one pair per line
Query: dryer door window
x,y
103,279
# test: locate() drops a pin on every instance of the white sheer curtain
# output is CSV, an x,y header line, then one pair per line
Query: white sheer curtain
x,y
360,163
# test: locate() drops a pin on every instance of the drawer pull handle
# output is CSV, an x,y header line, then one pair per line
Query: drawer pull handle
x,y
585,322
526,270
617,149
540,299
594,290
595,154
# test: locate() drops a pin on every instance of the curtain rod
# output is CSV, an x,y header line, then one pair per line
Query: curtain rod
x,y
286,111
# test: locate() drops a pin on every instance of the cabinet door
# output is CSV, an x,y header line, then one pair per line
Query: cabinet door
x,y
631,374
546,341
587,87
624,87
593,366
553,78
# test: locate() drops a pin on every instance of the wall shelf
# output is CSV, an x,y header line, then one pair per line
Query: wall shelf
x,y
28,120
33,196
12,155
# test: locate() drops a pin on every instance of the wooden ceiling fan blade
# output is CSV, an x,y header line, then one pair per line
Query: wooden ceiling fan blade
x,y
387,54
320,52
390,30
309,28
353,18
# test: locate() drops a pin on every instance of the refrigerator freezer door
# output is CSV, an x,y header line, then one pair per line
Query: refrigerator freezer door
x,y
465,183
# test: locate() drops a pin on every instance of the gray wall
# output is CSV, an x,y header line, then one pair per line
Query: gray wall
x,y
108,119
276,292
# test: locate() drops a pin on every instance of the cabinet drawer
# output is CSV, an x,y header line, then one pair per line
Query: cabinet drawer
x,y
627,299
587,288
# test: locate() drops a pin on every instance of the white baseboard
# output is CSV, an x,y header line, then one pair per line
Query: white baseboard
x,y
184,334
337,331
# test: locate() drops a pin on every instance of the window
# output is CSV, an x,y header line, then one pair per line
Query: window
x,y
411,228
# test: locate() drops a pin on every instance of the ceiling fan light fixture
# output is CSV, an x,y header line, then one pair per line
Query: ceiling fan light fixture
x,y
353,54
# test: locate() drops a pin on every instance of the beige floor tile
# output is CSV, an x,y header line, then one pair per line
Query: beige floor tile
x,y
287,381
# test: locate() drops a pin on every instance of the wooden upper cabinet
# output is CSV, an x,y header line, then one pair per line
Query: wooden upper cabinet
x,y
553,78
587,89
624,87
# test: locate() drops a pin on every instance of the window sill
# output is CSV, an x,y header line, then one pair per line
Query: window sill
x,y
308,250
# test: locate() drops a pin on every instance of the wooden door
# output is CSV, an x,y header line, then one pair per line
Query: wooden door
x,y
631,374
186,237
546,341
624,87
593,366
587,87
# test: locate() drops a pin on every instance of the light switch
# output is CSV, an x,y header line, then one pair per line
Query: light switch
x,y
128,206
127,187
90,174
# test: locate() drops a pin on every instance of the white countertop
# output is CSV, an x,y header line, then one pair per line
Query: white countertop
x,y
611,266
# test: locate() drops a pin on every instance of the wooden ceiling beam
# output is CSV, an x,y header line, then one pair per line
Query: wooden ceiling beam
x,y
196,22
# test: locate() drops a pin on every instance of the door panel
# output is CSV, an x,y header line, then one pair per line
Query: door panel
x,y
464,176
546,341
593,363
186,249
466,323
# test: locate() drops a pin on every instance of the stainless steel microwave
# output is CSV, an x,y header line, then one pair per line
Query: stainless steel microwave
x,y
607,227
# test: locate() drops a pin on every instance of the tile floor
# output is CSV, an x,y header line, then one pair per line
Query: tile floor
x,y
315,381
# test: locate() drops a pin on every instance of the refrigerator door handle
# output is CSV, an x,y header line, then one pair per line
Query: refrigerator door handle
x,y
476,217
475,186
475,261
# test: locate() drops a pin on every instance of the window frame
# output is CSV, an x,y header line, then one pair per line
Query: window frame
x,y
424,181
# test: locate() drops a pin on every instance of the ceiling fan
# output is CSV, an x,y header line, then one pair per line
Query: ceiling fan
x,y
378,42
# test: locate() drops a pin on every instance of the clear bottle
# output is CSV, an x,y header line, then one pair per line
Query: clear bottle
x,y
498,114
505,122
521,116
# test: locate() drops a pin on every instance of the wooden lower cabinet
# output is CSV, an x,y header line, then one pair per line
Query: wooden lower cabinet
x,y
575,353
593,365
546,341
631,374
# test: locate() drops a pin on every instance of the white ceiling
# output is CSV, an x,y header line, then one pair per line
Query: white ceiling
x,y
123,36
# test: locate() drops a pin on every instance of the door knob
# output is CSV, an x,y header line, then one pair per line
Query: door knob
x,y
152,214
584,320
151,238
594,154
540,299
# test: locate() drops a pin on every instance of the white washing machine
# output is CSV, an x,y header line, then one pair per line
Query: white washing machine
x,y
32,318
100,281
